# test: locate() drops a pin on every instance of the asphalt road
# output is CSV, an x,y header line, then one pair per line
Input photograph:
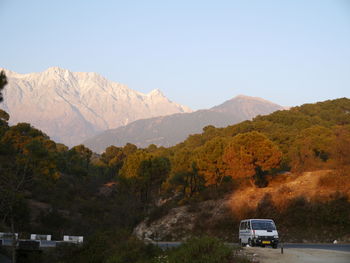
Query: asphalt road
x,y
337,247
4,259
43,243
296,255
166,245
325,246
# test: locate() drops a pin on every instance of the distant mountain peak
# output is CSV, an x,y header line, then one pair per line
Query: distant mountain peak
x,y
246,97
57,73
156,92
172,129
71,106
249,106
57,70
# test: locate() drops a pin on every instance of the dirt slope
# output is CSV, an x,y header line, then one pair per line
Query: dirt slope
x,y
317,185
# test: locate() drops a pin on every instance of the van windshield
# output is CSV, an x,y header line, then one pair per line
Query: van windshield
x,y
263,225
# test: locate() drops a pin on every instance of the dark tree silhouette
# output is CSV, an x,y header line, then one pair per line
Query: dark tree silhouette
x,y
3,82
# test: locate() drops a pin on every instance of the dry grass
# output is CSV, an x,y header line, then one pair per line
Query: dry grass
x,y
317,185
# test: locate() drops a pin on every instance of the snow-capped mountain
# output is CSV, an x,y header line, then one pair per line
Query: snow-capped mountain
x,y
72,106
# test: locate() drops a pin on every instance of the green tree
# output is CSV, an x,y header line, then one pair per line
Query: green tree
x,y
132,163
189,182
113,158
23,159
129,148
152,173
181,160
84,152
311,149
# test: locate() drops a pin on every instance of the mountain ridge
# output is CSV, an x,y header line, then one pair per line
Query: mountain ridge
x,y
172,129
72,106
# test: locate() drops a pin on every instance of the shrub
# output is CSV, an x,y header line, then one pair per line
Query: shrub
x,y
110,247
201,250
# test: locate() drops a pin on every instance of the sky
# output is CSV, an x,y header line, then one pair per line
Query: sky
x,y
198,53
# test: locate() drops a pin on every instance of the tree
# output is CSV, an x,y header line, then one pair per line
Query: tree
x,y
340,151
74,161
25,163
182,160
311,149
129,148
209,160
113,158
251,155
4,117
3,83
190,182
8,198
152,173
84,152
132,163
131,175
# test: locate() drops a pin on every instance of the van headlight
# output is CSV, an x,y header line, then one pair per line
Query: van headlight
x,y
275,236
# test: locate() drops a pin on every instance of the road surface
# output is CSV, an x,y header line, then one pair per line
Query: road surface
x,y
323,246
296,255
43,243
4,259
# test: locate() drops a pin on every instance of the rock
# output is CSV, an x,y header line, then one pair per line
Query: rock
x,y
180,222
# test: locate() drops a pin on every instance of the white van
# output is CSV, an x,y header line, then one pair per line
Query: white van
x,y
258,232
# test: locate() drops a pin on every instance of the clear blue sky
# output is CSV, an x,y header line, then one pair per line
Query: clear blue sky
x,y
199,53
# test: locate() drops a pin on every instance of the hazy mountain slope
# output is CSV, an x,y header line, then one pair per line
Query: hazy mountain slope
x,y
172,129
73,106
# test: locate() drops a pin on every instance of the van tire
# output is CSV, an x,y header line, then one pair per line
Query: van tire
x,y
240,243
275,246
251,243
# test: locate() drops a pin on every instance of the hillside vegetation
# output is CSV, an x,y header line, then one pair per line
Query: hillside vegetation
x,y
268,163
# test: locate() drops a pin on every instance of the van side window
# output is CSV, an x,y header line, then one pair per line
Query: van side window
x,y
242,225
248,225
245,225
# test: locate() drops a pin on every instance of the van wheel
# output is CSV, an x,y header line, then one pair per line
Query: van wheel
x,y
250,242
274,246
240,243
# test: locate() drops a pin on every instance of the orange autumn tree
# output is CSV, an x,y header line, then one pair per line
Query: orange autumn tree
x,y
251,155
209,161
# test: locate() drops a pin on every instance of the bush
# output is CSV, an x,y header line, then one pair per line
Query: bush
x,y
110,247
201,250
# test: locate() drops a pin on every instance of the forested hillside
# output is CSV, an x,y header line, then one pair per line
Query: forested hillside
x,y
46,187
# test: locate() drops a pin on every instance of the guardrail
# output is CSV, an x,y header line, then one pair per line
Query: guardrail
x,y
73,239
40,237
37,241
8,235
